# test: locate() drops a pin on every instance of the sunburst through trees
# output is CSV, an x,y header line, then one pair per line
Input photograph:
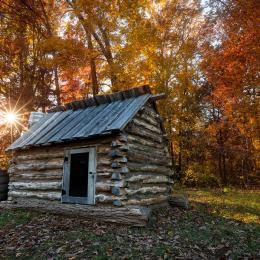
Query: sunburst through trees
x,y
11,121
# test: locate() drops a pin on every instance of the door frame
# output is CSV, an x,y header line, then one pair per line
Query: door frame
x,y
90,199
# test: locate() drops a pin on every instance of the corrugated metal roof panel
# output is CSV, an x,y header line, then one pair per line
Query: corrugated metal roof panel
x,y
88,122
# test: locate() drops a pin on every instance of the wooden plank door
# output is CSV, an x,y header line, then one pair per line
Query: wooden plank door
x,y
79,176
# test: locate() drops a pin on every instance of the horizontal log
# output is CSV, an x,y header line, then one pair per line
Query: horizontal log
x,y
103,149
40,173
150,190
141,123
102,187
141,131
104,169
137,156
25,178
42,151
136,186
144,142
35,185
150,119
138,167
151,178
149,110
148,201
121,159
158,152
116,153
38,156
49,195
37,175
117,143
104,174
50,161
129,215
38,167
104,198
111,183
102,141
124,148
104,160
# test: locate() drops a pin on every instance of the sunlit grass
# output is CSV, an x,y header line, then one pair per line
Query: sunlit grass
x,y
240,205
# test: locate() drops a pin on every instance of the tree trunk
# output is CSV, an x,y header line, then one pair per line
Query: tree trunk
x,y
95,88
57,85
224,170
179,170
113,78
220,167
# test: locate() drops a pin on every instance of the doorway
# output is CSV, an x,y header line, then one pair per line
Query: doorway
x,y
79,176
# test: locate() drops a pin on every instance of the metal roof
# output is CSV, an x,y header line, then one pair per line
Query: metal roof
x,y
82,120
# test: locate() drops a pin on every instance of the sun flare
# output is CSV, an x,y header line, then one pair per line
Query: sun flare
x,y
10,117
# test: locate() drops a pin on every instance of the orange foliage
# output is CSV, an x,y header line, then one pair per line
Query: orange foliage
x,y
76,84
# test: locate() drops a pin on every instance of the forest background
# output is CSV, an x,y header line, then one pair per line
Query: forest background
x,y
204,55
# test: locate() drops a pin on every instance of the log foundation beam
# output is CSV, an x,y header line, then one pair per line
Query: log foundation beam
x,y
129,215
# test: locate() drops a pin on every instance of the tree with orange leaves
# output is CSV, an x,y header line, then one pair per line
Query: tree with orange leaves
x,y
231,64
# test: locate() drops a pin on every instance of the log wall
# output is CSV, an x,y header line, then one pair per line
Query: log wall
x,y
149,179
37,172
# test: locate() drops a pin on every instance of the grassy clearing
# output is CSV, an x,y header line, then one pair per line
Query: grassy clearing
x,y
217,225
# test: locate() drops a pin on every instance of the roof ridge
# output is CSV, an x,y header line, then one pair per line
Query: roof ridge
x,y
103,99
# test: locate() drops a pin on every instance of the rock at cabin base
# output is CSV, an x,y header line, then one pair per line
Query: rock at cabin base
x,y
179,201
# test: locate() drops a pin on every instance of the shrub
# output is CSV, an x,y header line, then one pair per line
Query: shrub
x,y
197,175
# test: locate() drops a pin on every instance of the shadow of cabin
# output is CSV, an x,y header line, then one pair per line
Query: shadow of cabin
x,y
104,158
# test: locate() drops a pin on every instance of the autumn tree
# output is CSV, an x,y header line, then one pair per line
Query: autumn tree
x,y
23,27
108,26
25,85
175,71
231,65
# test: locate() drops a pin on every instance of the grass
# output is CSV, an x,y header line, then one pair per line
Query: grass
x,y
238,205
219,224
15,218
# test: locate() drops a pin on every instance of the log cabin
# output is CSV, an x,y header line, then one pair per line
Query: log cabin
x,y
103,158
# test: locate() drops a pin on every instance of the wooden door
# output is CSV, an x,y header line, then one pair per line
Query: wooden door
x,y
79,176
